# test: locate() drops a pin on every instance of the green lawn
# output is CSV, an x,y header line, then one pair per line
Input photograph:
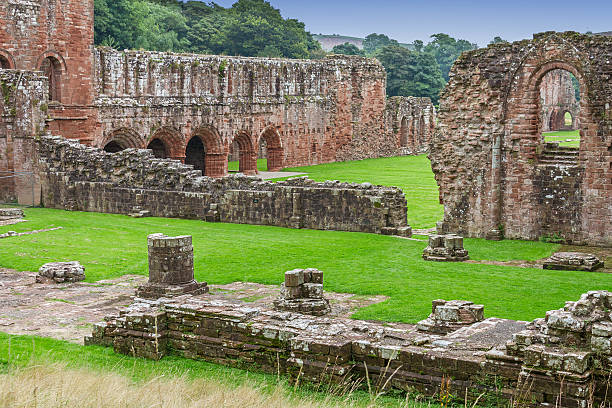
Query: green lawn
x,y
364,264
262,165
562,136
410,173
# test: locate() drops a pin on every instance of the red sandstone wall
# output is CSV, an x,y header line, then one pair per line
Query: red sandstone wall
x,y
30,31
307,111
487,152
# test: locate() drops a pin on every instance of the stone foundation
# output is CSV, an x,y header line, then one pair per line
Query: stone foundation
x,y
449,316
573,261
445,248
11,214
302,292
60,272
471,361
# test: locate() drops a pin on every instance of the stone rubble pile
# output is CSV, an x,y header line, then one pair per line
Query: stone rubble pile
x,y
449,316
61,272
302,292
445,248
573,261
569,339
11,214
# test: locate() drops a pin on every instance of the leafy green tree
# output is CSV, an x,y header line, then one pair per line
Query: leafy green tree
x,y
374,41
498,40
446,50
347,49
411,73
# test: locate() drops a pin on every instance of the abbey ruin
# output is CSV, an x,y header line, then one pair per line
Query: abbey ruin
x,y
497,177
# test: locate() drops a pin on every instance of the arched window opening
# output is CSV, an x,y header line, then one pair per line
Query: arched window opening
x,y
4,62
560,110
195,154
52,69
113,147
159,149
404,133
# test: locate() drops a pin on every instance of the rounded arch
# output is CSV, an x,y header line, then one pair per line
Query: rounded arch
x,y
215,155
54,67
173,141
6,60
273,151
195,154
247,156
159,148
121,139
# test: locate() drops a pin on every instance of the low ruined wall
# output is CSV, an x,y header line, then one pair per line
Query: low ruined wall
x,y
22,117
77,177
469,363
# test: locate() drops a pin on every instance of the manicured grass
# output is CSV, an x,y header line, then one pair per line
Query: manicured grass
x,y
262,165
410,173
26,351
364,264
563,136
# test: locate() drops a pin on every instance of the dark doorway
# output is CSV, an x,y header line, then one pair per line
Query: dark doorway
x,y
113,147
159,149
195,154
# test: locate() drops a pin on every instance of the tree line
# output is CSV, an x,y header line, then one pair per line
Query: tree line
x,y
253,28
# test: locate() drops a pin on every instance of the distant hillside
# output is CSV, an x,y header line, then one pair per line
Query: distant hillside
x,y
609,33
330,41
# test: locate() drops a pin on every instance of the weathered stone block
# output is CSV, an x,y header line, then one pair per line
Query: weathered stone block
x,y
305,295
573,261
60,272
448,316
445,248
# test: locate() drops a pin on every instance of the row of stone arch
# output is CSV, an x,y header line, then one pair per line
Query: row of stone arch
x,y
204,149
414,133
49,62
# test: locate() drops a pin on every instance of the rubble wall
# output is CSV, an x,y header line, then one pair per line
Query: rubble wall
x,y
77,177
471,362
488,145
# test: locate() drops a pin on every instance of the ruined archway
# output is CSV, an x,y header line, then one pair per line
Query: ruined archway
x,y
173,142
121,139
490,159
215,155
52,68
195,154
159,149
6,60
243,150
272,149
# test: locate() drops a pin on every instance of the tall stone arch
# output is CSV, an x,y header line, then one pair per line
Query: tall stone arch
x,y
215,158
121,139
274,149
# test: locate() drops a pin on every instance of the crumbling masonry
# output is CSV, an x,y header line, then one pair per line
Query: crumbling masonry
x,y
195,108
496,175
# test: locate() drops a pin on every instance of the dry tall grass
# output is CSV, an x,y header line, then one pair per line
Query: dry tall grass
x,y
54,386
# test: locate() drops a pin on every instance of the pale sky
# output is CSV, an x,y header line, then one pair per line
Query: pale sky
x,y
477,21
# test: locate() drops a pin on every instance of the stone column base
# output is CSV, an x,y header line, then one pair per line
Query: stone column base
x,y
156,290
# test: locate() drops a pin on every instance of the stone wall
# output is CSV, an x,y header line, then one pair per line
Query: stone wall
x,y
56,37
22,116
305,112
76,177
494,360
488,152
